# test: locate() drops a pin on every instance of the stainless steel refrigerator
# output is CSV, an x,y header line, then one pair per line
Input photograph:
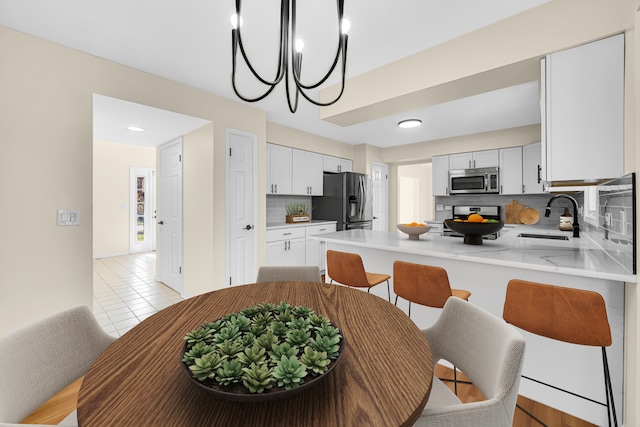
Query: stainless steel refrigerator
x,y
346,199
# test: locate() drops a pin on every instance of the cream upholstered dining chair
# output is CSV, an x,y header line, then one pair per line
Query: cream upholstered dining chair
x,y
41,359
348,269
289,273
489,351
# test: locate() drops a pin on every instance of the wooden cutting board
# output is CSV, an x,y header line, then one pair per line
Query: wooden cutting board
x,y
529,216
512,212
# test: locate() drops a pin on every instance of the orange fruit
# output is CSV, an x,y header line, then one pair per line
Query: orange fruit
x,y
475,218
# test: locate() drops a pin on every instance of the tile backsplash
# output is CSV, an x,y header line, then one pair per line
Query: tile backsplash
x,y
276,211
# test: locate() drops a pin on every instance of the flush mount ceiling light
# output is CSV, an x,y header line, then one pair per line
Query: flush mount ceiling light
x,y
135,129
290,53
410,123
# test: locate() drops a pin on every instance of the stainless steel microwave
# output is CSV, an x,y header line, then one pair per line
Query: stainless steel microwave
x,y
474,181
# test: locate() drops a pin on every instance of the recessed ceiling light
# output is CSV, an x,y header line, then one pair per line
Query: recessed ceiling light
x,y
135,129
410,123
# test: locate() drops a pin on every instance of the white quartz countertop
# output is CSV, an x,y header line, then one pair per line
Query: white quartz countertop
x,y
576,256
276,225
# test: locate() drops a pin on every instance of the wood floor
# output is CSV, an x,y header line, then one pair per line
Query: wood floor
x,y
553,418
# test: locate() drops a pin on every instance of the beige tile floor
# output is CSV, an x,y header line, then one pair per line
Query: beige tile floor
x,y
125,291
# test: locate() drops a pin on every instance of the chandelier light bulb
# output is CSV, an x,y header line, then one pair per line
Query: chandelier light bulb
x,y
345,26
234,21
299,45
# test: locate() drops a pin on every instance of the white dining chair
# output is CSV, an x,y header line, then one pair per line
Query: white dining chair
x,y
289,273
41,359
489,351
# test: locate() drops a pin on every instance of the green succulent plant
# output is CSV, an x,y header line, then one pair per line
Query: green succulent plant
x,y
198,335
228,333
302,311
289,372
230,348
279,329
257,378
282,307
247,339
284,349
318,320
229,373
255,354
267,340
327,345
198,350
328,331
284,316
298,337
241,321
266,307
263,319
258,330
215,326
316,361
299,323
205,367
250,312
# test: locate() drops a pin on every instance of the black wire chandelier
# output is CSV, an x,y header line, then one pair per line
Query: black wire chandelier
x,y
290,53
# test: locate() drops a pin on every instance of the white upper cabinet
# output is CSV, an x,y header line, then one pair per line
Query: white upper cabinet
x,y
440,175
278,169
582,117
532,169
475,159
337,164
307,173
510,170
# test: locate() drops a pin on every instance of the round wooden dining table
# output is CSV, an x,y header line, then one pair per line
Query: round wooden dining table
x,y
383,377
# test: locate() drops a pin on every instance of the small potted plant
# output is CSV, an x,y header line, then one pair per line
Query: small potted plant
x,y
297,212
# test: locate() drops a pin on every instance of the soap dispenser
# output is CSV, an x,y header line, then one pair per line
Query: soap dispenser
x,y
566,221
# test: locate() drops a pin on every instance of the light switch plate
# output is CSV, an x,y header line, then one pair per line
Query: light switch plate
x,y
68,217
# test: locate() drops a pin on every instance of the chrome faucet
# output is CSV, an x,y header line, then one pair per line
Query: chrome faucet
x,y
576,226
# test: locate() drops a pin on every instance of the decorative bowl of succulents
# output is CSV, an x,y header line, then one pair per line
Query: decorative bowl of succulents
x,y
262,353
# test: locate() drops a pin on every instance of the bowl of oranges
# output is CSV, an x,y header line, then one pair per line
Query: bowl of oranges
x,y
474,227
414,229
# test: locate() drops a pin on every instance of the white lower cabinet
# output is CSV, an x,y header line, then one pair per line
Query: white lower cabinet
x,y
316,249
286,246
290,246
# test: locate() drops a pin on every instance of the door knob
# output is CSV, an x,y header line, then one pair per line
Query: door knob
x,y
160,222
248,227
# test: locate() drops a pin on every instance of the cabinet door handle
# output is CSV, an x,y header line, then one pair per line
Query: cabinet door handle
x,y
289,245
539,174
276,187
286,234
323,229
310,189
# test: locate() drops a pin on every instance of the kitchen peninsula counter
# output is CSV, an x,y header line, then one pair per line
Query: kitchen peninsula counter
x,y
485,271
576,256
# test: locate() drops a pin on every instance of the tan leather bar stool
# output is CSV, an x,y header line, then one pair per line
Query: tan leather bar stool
x,y
426,285
348,269
570,315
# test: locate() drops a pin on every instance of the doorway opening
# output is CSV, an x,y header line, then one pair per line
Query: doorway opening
x,y
415,196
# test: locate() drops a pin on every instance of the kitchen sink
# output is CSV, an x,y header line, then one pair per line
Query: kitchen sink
x,y
544,236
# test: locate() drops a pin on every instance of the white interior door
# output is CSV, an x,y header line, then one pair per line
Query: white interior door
x,y
142,195
380,189
169,215
242,246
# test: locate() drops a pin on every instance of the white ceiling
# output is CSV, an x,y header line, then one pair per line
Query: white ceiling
x,y
190,42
